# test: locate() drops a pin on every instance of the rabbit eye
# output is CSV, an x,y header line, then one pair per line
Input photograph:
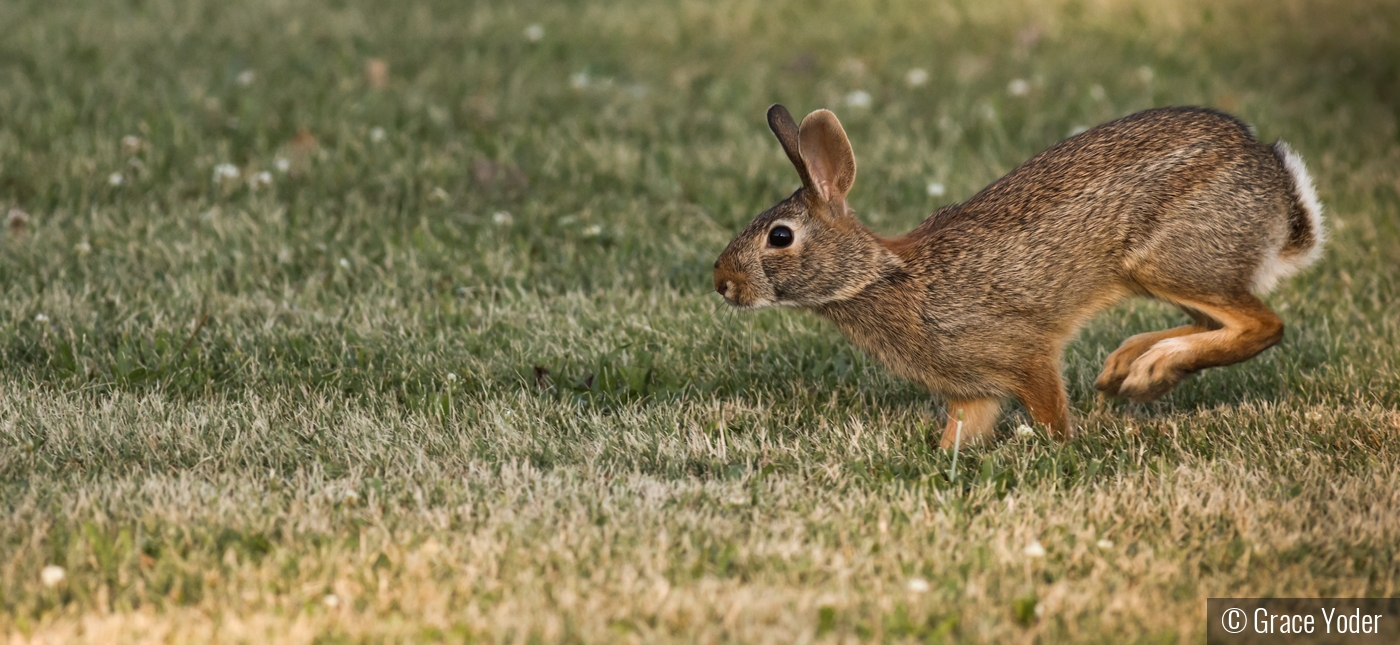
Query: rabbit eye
x,y
780,237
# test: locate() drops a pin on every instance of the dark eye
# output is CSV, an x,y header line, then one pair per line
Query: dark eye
x,y
780,237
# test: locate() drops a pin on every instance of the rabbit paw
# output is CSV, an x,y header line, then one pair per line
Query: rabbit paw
x,y
1115,371
1154,373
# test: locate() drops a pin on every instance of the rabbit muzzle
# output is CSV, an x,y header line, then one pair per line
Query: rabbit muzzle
x,y
733,284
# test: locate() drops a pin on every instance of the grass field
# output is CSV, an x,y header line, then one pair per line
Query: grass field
x,y
452,369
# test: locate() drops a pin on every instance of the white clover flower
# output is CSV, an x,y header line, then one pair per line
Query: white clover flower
x,y
246,77
130,144
593,231
282,164
858,99
917,585
115,179
937,189
225,172
534,32
376,134
344,263
41,318
579,80
1024,430
260,179
1034,549
83,248
916,77
1097,92
1104,544
501,218
52,575
1018,87
331,600
451,377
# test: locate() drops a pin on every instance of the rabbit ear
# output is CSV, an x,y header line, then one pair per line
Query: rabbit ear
x,y
785,129
827,153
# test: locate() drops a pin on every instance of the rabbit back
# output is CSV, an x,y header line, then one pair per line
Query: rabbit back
x,y
1163,200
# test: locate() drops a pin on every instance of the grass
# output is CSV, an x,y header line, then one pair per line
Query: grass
x,y
456,374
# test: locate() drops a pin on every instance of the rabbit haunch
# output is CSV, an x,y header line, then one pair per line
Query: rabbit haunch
x,y
978,301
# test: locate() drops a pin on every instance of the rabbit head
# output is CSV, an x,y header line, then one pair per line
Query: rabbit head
x,y
808,250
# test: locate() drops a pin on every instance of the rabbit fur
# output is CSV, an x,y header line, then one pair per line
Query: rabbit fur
x,y
1181,204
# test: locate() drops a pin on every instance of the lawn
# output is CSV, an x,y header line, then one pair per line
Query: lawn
x,y
366,322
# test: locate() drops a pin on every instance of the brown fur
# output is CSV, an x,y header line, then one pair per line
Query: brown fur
x,y
978,301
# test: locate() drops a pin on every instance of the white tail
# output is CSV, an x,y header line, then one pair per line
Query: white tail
x,y
1292,258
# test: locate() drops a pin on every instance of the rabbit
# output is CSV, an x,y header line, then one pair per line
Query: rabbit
x,y
1181,204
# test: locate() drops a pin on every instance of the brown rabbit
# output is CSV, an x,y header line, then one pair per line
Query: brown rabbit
x,y
976,303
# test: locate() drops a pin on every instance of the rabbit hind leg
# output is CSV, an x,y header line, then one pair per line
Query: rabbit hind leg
x,y
1118,364
1246,327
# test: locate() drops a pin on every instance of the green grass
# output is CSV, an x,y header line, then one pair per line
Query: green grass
x,y
467,381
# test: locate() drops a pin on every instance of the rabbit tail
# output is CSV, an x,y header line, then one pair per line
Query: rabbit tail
x,y
1306,231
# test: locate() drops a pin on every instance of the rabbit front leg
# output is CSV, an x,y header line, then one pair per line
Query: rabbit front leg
x,y
979,418
1041,390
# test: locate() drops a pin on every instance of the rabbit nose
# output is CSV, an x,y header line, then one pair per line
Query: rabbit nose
x,y
727,280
